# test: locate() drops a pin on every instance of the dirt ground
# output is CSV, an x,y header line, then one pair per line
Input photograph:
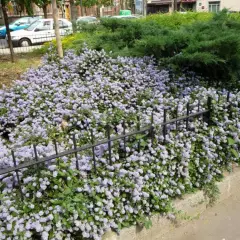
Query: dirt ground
x,y
221,222
12,71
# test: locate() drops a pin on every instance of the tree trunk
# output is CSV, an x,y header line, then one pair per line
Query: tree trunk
x,y
73,9
122,4
45,10
144,2
5,16
175,5
81,5
57,32
98,11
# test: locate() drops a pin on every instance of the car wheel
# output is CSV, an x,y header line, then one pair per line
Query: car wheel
x,y
24,42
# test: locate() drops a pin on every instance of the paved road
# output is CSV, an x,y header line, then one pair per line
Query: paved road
x,y
5,51
222,222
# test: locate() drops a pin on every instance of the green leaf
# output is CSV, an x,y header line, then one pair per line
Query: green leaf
x,y
231,141
68,191
56,218
77,199
148,224
119,226
3,111
140,136
235,153
143,143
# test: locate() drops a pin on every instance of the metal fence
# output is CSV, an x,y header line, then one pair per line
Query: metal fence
x,y
206,114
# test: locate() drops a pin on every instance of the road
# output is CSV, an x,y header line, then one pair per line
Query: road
x,y
220,222
5,51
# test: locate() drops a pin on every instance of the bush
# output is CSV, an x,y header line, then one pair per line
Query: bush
x,y
194,42
176,20
202,46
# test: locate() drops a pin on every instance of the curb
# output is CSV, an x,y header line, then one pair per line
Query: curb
x,y
192,205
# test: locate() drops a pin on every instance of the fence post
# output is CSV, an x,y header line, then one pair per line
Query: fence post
x,y
124,139
35,153
164,126
138,128
109,145
93,151
198,109
18,179
75,152
229,105
152,128
188,110
209,105
56,150
228,96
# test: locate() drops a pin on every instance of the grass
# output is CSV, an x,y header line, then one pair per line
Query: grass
x,y
12,71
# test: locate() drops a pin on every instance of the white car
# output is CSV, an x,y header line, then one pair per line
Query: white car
x,y
39,32
87,19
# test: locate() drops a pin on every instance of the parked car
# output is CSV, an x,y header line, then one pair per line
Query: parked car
x,y
125,17
39,32
19,24
87,19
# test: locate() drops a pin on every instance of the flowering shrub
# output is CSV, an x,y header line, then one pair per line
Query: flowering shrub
x,y
79,93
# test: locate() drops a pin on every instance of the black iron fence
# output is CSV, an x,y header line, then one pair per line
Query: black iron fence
x,y
206,114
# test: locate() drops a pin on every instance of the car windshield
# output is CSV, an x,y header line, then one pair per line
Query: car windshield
x,y
21,20
32,26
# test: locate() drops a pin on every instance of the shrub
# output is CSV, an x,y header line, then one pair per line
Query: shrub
x,y
176,20
194,41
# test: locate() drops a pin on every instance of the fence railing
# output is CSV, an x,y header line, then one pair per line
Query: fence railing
x,y
206,114
25,43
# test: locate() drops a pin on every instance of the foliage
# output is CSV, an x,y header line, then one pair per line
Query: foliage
x,y
211,192
176,20
196,42
91,3
86,91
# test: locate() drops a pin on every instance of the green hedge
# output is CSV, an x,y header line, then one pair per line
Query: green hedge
x,y
202,42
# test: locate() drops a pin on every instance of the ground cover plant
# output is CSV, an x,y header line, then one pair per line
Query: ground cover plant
x,y
85,92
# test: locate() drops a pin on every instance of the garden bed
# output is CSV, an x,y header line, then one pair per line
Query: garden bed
x,y
190,207
81,94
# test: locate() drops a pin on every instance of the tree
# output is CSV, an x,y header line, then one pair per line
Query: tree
x,y
56,24
174,5
91,3
5,16
24,5
42,4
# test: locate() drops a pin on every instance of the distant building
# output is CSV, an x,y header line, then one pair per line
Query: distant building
x,y
216,6
164,6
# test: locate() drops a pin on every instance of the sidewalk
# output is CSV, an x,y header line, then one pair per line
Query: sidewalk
x,y
221,222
